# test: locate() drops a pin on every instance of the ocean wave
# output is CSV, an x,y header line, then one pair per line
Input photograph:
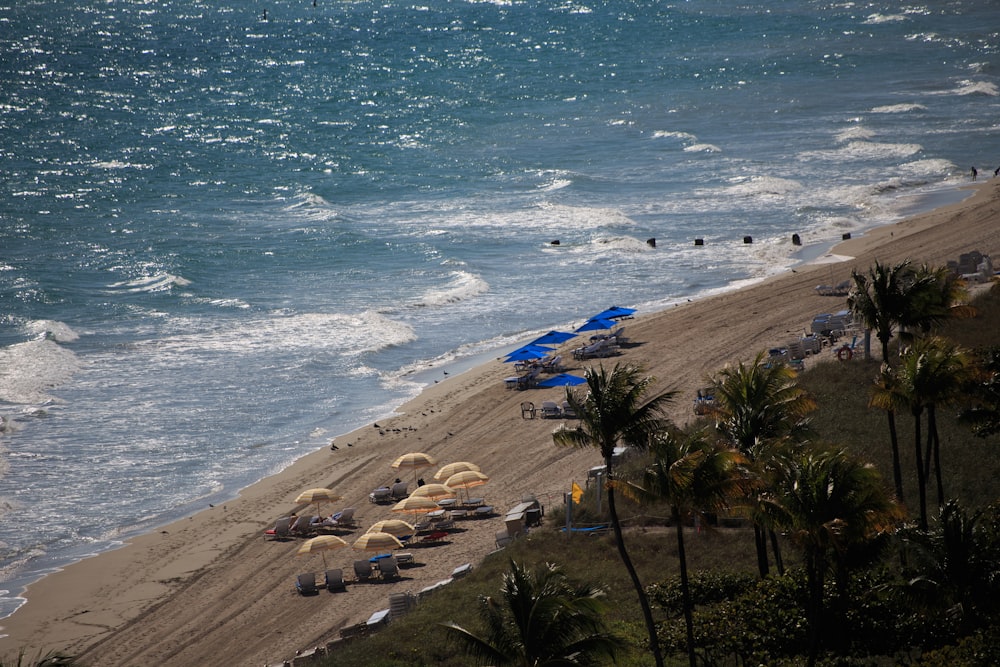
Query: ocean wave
x,y
875,19
32,368
977,88
702,148
57,331
667,134
853,134
863,150
761,186
462,286
155,283
899,108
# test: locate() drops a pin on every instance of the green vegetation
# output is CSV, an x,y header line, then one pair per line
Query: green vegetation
x,y
861,586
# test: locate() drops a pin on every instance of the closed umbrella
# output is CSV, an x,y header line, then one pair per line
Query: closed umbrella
x,y
321,545
450,469
434,491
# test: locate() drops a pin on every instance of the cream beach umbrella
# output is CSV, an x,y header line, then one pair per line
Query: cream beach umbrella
x,y
317,496
377,542
321,545
450,469
466,480
394,527
434,491
415,505
413,461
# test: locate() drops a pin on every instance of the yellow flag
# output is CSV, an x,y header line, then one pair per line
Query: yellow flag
x,y
577,493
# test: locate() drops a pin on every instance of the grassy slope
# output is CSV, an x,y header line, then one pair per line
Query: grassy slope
x,y
970,468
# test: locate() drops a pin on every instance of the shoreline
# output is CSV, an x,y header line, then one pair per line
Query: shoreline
x,y
157,597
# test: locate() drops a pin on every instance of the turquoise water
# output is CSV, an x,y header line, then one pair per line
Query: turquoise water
x,y
226,239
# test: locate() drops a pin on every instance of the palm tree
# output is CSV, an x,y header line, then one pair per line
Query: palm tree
x,y
541,620
756,406
882,299
886,395
938,294
933,372
614,413
955,565
693,474
827,501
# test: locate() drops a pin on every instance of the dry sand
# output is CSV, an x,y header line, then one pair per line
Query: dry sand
x,y
209,590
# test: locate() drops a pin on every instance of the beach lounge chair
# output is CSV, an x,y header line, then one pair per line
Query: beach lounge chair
x,y
568,411
378,619
388,568
436,536
503,538
527,410
382,494
553,365
305,584
550,410
345,518
363,570
304,525
404,558
281,530
399,491
335,581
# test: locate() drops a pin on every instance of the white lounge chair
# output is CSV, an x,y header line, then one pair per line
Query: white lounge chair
x,y
550,410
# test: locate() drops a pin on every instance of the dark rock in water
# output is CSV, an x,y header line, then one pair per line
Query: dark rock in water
x,y
651,242
796,240
554,242
748,239
699,241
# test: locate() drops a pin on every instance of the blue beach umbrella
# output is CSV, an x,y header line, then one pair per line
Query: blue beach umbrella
x,y
526,354
613,312
562,380
553,338
597,324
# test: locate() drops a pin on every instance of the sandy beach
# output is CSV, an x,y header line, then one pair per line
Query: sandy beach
x,y
209,589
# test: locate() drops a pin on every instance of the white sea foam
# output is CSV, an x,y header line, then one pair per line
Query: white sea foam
x,y
32,368
875,19
461,286
977,88
683,136
702,148
762,186
854,133
863,150
57,331
155,283
899,108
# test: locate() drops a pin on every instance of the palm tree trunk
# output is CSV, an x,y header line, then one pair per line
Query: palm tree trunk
x,y
897,469
932,433
814,578
921,479
779,564
760,542
647,613
685,588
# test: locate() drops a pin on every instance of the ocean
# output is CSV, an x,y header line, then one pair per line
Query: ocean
x,y
226,237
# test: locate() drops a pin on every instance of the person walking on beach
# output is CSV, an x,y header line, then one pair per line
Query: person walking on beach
x,y
974,173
